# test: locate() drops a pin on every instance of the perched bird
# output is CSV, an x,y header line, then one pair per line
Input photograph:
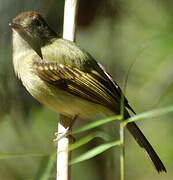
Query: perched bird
x,y
66,78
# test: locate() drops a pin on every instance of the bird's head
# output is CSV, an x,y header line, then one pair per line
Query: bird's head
x,y
32,27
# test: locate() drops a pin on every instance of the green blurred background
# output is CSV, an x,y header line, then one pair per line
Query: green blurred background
x,y
117,33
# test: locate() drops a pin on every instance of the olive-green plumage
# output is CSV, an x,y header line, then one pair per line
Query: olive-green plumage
x,y
66,78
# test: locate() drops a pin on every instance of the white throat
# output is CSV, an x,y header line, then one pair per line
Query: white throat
x,y
19,44
20,48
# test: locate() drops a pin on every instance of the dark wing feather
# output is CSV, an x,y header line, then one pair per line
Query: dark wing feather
x,y
115,88
112,85
86,85
95,84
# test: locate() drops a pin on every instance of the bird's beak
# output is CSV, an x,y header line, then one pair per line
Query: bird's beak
x,y
14,26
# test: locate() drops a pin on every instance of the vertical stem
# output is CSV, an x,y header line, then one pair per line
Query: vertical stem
x,y
70,12
122,153
65,124
122,139
62,154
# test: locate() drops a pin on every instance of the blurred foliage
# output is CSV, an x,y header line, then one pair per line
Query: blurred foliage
x,y
118,34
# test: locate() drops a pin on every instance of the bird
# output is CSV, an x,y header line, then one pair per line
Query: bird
x,y
66,78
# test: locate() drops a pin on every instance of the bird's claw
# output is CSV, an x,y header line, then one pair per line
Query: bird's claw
x,y
62,135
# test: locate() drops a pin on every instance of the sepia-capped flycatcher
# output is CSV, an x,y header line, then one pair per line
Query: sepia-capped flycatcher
x,y
65,78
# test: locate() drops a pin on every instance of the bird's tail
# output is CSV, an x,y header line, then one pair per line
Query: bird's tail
x,y
143,142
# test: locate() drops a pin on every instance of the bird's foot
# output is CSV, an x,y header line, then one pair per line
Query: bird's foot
x,y
65,134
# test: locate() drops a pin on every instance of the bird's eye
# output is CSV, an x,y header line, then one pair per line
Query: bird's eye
x,y
37,22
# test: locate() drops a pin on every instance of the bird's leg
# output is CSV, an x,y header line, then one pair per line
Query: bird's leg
x,y
67,123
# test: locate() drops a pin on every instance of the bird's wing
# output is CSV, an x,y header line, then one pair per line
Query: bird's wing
x,y
114,87
87,85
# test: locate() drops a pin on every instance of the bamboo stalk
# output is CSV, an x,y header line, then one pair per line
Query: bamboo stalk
x,y
63,155
70,12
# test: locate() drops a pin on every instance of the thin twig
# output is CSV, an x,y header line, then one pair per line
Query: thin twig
x,y
65,124
122,137
122,153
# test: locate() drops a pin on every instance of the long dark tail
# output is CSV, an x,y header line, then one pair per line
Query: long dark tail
x,y
143,142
